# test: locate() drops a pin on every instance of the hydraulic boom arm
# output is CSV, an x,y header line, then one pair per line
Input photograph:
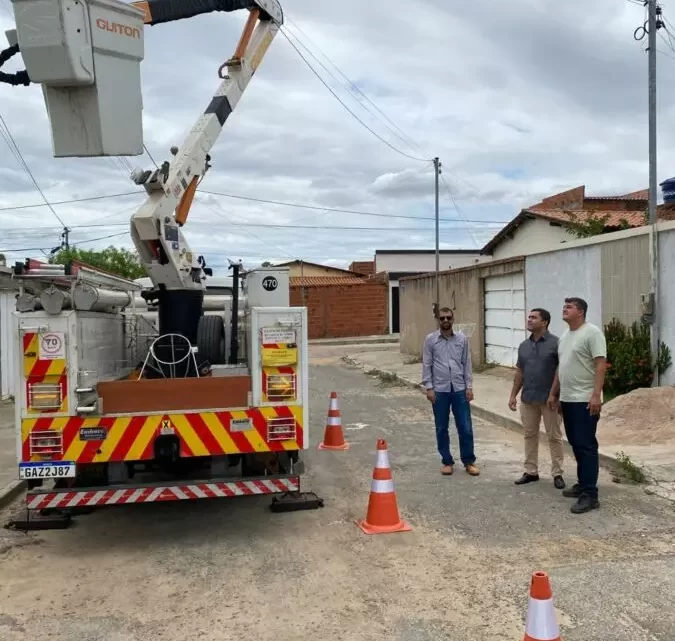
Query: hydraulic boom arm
x,y
155,227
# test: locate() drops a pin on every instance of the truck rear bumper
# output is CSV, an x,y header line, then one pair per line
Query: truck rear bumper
x,y
154,492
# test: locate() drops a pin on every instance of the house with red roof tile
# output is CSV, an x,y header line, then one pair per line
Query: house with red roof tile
x,y
551,222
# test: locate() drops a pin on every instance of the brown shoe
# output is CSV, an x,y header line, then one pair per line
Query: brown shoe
x,y
446,470
472,469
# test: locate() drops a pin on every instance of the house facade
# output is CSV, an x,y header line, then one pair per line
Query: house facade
x,y
549,223
394,264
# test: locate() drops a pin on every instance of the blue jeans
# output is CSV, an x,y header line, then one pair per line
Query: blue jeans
x,y
461,411
581,429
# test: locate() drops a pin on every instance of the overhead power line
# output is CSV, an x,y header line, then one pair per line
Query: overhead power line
x,y
73,201
325,84
81,242
352,88
273,226
257,200
14,147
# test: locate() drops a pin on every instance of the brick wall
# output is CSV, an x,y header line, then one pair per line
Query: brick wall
x,y
335,311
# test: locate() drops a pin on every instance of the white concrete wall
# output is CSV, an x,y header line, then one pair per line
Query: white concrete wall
x,y
575,270
532,236
551,277
425,262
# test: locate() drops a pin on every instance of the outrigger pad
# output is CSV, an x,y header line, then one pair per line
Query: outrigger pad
x,y
295,501
34,520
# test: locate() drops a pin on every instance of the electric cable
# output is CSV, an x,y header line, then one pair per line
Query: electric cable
x,y
29,172
325,84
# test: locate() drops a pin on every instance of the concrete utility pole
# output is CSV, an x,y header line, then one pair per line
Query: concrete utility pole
x,y
437,173
653,24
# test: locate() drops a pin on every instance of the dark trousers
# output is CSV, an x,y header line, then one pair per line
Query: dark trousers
x,y
581,429
461,411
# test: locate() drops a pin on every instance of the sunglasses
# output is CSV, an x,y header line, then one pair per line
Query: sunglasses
x,y
443,318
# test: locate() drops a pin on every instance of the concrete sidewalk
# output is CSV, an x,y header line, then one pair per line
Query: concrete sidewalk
x,y
492,389
10,486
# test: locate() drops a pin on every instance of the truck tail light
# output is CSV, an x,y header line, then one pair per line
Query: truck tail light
x,y
44,396
281,387
46,443
281,429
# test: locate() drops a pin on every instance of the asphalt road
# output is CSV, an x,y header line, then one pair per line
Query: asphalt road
x,y
215,570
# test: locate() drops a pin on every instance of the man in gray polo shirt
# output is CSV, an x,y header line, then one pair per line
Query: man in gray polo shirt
x,y
535,372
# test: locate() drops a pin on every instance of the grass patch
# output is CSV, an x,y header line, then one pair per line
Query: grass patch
x,y
412,360
625,471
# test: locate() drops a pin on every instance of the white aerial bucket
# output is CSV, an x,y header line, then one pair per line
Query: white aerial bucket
x,y
86,54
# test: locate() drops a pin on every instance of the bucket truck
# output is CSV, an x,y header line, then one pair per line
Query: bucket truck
x,y
186,417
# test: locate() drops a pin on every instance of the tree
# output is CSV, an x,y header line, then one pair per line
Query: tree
x,y
593,225
116,260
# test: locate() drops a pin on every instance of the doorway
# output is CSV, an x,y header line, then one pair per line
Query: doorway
x,y
395,311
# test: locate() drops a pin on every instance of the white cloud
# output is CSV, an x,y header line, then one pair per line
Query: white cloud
x,y
518,99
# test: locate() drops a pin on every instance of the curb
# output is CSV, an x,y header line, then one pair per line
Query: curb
x,y
353,341
11,491
493,417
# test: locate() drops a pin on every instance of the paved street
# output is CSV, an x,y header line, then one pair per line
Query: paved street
x,y
214,570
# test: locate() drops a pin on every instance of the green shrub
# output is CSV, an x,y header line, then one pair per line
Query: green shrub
x,y
629,361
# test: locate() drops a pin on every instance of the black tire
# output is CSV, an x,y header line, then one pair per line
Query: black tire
x,y
211,340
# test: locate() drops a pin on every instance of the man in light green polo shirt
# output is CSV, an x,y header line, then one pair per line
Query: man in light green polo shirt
x,y
577,390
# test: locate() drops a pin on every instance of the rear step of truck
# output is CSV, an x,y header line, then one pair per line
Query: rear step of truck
x,y
50,509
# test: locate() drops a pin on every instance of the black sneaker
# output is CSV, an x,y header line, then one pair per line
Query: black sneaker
x,y
585,504
527,478
573,493
559,482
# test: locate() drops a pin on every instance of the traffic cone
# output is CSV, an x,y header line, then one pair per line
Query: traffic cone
x,y
333,438
541,624
382,516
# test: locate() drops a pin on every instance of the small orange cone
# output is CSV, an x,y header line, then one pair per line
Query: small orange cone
x,y
333,438
541,624
382,516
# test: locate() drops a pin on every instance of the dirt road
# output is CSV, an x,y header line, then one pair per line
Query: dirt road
x,y
219,570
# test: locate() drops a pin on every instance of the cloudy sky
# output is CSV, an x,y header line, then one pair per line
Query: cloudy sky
x,y
519,99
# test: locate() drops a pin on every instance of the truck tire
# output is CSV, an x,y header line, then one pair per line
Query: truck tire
x,y
211,340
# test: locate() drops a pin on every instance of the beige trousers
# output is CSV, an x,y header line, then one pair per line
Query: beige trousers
x,y
531,415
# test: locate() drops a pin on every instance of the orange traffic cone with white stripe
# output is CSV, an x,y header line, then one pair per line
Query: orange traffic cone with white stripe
x,y
333,438
541,624
382,516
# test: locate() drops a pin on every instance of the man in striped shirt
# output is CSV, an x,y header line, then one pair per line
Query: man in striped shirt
x,y
447,379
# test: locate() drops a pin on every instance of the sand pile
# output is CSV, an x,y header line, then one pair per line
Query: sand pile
x,y
642,417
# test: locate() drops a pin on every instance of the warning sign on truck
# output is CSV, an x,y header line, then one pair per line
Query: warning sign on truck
x,y
52,346
278,336
279,356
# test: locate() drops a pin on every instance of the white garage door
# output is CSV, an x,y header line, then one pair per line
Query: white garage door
x,y
505,318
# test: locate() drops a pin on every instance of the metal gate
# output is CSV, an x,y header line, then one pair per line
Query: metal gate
x,y
505,318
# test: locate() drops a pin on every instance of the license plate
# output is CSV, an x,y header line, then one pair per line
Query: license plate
x,y
47,470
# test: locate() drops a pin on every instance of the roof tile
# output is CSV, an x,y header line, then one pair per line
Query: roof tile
x,y
323,281
614,218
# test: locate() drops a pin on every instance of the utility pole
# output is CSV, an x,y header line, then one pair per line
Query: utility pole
x,y
66,232
437,173
654,23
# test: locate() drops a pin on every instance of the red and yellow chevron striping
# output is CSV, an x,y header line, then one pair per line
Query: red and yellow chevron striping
x,y
40,373
216,489
131,438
